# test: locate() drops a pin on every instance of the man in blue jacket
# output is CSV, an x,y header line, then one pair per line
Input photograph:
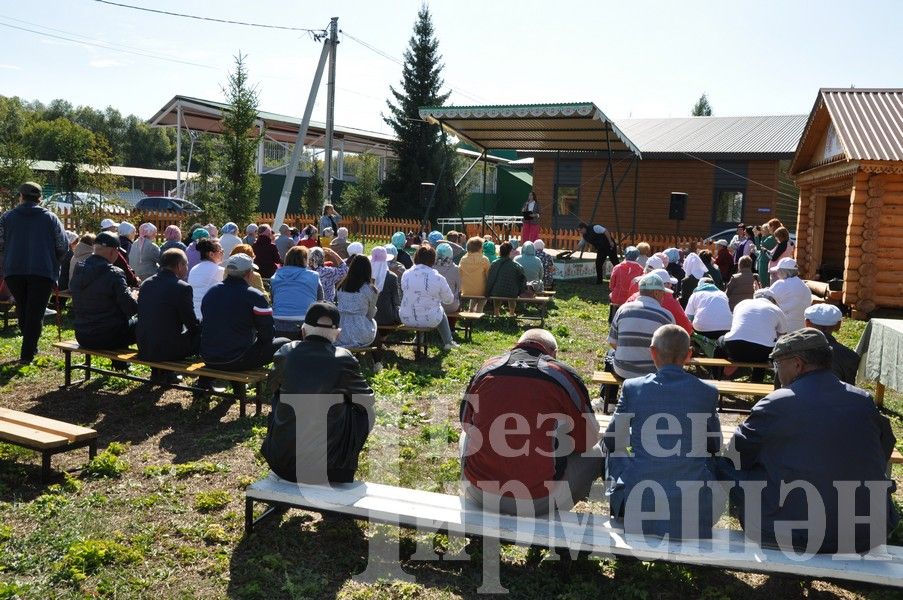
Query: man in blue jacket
x,y
813,458
237,321
32,242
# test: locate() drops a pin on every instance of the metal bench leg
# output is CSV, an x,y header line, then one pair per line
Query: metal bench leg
x,y
242,394
249,516
87,367
258,397
68,374
45,466
92,449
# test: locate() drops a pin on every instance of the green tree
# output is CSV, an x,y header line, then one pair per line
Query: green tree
x,y
702,108
15,167
312,200
363,198
238,181
420,150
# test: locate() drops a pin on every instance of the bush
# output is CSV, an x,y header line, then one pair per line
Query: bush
x,y
212,500
86,557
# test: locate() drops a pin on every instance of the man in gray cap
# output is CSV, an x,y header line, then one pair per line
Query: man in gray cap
x,y
32,242
820,448
237,325
826,318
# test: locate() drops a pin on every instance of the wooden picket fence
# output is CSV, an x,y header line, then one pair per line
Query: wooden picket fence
x,y
563,239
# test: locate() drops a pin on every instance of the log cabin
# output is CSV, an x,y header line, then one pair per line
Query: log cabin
x,y
849,170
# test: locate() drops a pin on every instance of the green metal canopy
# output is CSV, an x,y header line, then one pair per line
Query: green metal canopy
x,y
579,126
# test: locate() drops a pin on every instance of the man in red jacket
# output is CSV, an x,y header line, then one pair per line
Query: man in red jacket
x,y
531,440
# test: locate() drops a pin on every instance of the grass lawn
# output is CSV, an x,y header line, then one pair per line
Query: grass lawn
x,y
159,513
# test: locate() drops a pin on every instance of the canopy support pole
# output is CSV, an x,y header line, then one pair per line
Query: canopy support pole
x,y
614,192
292,170
555,198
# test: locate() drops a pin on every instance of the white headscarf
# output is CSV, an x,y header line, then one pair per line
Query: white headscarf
x,y
379,267
694,266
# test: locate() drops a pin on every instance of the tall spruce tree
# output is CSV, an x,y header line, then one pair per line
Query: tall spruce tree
x,y
702,108
239,182
420,150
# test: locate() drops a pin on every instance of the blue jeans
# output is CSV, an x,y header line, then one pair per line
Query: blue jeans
x,y
445,331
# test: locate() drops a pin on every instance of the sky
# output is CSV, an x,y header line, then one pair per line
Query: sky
x,y
637,59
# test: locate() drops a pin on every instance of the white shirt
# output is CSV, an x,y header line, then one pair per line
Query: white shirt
x,y
423,292
710,310
794,297
201,278
758,321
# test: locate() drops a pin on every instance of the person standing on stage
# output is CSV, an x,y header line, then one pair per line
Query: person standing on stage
x,y
530,209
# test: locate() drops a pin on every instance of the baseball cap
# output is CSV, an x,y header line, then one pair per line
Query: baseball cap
x,y
106,239
30,188
784,263
652,282
825,315
239,264
664,275
322,314
800,340
108,223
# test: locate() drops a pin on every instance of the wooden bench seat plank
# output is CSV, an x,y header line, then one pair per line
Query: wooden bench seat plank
x,y
577,531
723,387
29,437
74,433
701,361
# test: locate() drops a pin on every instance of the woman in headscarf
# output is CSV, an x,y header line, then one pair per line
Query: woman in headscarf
x,y
673,267
694,271
126,236
354,248
388,284
711,269
144,255
400,241
194,256
228,238
329,274
356,298
489,251
709,310
173,236
473,269
83,249
548,265
622,277
266,254
212,230
392,260
424,291
339,244
206,273
445,265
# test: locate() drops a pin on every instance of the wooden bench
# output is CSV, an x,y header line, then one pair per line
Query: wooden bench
x,y
541,302
732,388
702,361
257,377
465,321
419,342
44,435
584,532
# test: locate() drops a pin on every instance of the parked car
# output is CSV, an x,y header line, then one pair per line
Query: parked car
x,y
66,201
179,205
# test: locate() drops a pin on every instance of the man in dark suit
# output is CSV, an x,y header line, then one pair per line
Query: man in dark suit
x,y
167,326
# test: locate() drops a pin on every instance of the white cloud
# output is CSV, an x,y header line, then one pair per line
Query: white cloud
x,y
105,63
11,67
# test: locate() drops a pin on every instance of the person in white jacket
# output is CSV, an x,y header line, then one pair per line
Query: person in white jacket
x,y
791,293
206,273
423,292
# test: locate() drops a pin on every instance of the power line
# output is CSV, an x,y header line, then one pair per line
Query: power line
x,y
106,46
212,19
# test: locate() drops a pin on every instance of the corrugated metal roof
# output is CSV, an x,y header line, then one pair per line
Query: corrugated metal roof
x,y
557,126
50,165
868,121
767,136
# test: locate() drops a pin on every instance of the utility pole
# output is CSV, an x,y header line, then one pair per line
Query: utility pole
x,y
330,109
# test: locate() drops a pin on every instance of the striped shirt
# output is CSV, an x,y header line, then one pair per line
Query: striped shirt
x,y
631,331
